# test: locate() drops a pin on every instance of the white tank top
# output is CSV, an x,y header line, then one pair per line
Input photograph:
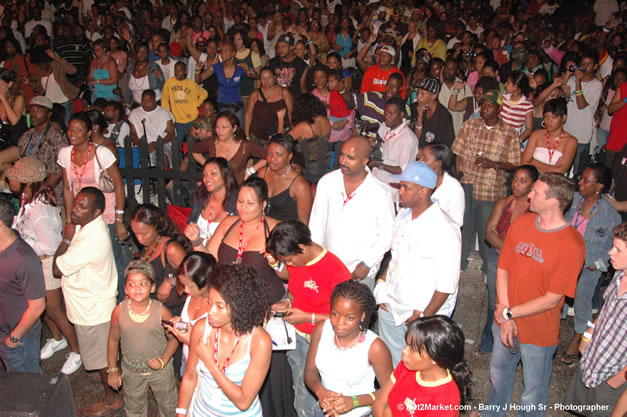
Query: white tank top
x,y
345,371
206,229
185,317
542,155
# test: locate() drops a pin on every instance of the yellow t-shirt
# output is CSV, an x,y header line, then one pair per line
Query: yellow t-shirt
x,y
182,99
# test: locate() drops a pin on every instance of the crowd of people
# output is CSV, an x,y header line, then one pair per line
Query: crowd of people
x,y
352,156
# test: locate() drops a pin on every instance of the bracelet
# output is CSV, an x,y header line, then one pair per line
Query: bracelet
x,y
119,212
380,280
591,325
67,242
118,220
585,339
279,266
578,91
161,361
181,411
313,318
111,370
419,127
274,265
251,171
372,396
355,402
457,91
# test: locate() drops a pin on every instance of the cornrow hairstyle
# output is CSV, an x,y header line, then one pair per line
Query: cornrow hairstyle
x,y
359,293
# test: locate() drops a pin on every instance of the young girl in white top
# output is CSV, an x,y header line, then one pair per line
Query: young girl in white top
x,y
193,274
344,356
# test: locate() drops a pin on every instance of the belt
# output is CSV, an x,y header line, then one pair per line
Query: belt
x,y
303,334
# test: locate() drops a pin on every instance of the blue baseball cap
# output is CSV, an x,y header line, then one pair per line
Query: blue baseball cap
x,y
419,173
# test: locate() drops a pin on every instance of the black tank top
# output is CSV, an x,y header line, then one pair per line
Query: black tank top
x,y
282,206
254,259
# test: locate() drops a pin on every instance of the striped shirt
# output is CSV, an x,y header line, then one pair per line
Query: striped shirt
x,y
371,106
513,112
606,354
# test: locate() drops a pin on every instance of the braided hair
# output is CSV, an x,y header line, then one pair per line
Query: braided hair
x,y
359,293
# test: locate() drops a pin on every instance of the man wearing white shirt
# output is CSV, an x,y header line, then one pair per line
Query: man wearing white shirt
x,y
399,144
447,89
37,20
423,274
353,213
153,121
583,92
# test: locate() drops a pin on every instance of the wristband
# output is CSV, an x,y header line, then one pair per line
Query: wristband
x,y
419,127
251,171
161,361
365,264
118,220
67,242
355,402
181,411
380,280
119,212
587,335
313,318
597,266
591,325
279,266
457,91
111,370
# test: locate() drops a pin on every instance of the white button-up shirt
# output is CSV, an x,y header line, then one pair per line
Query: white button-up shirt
x,y
425,258
399,147
356,228
451,198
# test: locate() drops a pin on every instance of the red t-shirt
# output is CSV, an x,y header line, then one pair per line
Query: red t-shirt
x,y
375,79
539,261
312,285
412,397
337,105
618,132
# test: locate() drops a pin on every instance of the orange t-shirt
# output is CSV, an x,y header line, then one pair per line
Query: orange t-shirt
x,y
539,261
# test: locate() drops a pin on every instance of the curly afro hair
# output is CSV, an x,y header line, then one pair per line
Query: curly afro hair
x,y
244,292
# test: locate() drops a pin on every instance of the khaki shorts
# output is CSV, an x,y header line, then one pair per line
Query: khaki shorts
x,y
52,283
92,342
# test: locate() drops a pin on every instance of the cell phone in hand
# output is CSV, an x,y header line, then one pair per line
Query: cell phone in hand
x,y
279,314
179,325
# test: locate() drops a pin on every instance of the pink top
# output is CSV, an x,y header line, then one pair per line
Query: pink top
x,y
581,227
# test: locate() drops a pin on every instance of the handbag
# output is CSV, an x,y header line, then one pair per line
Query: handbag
x,y
105,182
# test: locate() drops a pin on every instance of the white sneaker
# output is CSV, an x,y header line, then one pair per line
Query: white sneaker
x,y
51,347
72,363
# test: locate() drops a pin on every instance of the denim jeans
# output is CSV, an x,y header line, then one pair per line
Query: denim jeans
x,y
586,286
602,137
392,335
304,400
69,110
486,337
182,130
476,215
25,357
537,366
239,113
581,158
122,256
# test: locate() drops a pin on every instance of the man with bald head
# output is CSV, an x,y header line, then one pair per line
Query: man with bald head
x,y
353,212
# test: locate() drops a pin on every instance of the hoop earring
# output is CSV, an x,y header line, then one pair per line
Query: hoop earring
x,y
543,124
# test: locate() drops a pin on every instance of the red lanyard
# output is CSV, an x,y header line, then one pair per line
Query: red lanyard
x,y
80,177
347,199
216,351
548,145
390,137
241,247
